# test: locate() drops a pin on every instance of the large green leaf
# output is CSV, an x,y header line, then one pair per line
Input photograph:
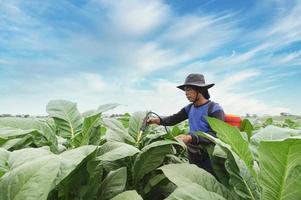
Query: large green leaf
x,y
96,174
100,109
243,182
280,164
108,146
118,151
112,154
43,127
71,159
271,133
153,182
186,174
3,161
66,116
247,127
19,143
128,195
217,159
97,136
116,131
73,178
30,181
178,130
135,124
37,170
106,107
113,184
151,157
9,132
27,124
25,171
68,159
84,137
23,156
241,179
231,135
193,192
14,138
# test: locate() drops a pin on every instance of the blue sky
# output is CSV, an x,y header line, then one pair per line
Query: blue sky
x,y
136,52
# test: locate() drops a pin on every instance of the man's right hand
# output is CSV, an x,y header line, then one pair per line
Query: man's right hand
x,y
153,121
185,138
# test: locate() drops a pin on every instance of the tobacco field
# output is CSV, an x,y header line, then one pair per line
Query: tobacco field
x,y
71,155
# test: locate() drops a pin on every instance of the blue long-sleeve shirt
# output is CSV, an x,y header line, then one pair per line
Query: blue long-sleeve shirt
x,y
196,116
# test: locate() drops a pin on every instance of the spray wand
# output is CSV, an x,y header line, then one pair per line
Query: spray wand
x,y
145,124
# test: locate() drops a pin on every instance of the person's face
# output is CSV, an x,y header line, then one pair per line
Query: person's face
x,y
190,93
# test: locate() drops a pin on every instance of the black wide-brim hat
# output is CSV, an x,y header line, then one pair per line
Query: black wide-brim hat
x,y
197,80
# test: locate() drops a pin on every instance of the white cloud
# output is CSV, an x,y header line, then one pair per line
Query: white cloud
x,y
288,27
198,36
89,91
128,54
95,82
242,103
131,40
136,17
236,78
284,30
151,57
287,59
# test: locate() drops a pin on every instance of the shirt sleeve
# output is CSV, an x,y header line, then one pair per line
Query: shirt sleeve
x,y
174,119
219,114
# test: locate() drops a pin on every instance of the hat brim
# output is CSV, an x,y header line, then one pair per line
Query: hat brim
x,y
207,86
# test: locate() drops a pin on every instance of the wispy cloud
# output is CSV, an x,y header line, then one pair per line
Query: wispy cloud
x,y
135,18
99,51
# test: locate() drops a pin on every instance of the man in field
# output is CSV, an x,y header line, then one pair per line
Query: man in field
x,y
196,91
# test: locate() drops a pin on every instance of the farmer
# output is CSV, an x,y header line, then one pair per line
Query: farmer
x,y
196,91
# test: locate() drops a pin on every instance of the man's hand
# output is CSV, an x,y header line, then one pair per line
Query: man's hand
x,y
185,138
153,121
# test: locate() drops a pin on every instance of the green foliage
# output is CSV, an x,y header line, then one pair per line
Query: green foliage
x,y
280,170
186,174
247,127
128,195
70,155
32,173
232,136
193,192
18,133
113,184
66,116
